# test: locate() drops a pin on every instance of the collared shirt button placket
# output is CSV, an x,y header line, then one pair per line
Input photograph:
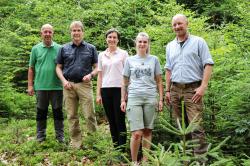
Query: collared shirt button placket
x,y
182,63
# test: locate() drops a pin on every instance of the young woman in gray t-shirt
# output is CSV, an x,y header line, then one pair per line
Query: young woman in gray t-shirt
x,y
142,86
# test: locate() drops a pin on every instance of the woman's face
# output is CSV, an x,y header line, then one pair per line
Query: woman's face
x,y
142,44
112,39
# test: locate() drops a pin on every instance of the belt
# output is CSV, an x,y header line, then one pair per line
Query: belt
x,y
74,80
187,85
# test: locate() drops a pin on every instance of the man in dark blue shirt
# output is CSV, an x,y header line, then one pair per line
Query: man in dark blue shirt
x,y
76,66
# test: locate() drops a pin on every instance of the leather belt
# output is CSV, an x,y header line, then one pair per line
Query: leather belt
x,y
187,85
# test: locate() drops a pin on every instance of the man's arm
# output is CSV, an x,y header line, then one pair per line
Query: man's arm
x,y
124,93
30,81
200,91
168,85
91,75
95,71
59,73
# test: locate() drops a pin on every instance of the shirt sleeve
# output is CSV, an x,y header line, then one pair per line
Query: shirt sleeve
x,y
59,58
125,57
32,60
204,53
95,55
126,69
168,64
99,68
157,67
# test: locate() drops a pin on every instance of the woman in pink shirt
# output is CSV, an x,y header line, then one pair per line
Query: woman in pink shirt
x,y
109,82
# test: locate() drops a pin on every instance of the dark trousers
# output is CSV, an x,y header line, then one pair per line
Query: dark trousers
x,y
44,98
111,98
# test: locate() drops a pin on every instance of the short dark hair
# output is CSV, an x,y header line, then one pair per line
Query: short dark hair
x,y
111,31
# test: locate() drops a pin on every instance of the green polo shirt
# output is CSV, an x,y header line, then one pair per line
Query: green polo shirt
x,y
42,59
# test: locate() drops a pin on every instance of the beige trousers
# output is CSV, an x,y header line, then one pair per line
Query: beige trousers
x,y
80,96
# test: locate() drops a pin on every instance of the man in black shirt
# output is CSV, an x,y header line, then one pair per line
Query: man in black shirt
x,y
76,66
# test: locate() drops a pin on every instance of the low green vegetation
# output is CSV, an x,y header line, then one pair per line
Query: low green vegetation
x,y
225,26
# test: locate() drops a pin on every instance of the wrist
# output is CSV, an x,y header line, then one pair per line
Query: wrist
x,y
204,86
92,75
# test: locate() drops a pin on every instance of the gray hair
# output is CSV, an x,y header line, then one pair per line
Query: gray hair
x,y
181,15
47,26
144,34
78,23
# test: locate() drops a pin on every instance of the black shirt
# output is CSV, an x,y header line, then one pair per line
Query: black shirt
x,y
77,61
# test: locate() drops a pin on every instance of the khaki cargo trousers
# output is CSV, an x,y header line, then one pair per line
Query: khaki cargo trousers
x,y
80,96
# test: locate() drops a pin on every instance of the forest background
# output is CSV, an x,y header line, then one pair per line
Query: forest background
x,y
224,24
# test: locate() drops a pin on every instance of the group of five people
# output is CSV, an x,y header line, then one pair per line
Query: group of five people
x,y
125,84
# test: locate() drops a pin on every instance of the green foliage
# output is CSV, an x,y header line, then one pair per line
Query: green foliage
x,y
19,147
13,104
219,12
227,102
182,153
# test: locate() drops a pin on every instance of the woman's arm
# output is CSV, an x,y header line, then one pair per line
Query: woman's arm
x,y
98,88
124,93
160,91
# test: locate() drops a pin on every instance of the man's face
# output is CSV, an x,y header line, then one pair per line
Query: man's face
x,y
47,34
179,25
76,33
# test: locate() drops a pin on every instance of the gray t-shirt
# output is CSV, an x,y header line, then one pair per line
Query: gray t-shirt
x,y
141,72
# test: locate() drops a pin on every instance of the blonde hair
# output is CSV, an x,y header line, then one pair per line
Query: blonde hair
x,y
78,23
144,34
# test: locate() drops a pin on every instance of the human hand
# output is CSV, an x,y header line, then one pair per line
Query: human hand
x,y
160,105
99,100
30,90
123,106
67,85
87,78
167,98
199,93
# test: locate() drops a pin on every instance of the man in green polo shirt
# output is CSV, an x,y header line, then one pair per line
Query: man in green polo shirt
x,y
47,86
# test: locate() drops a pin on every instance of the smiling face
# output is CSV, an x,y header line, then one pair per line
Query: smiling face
x,y
76,34
180,25
112,39
142,45
47,35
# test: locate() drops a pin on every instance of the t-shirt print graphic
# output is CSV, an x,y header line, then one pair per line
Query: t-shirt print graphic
x,y
141,71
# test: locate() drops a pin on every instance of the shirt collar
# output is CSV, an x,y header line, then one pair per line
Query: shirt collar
x,y
82,43
188,37
144,57
107,52
52,44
